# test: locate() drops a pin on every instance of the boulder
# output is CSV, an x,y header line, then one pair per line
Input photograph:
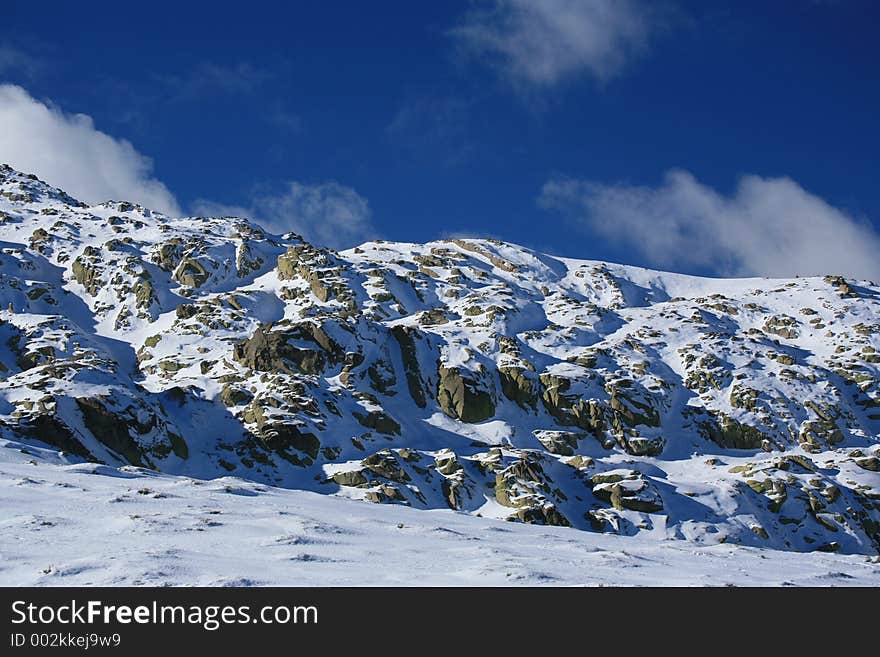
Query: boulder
x,y
269,349
558,442
520,386
282,436
462,397
379,421
191,272
110,429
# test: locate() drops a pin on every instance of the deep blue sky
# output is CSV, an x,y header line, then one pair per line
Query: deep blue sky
x,y
378,97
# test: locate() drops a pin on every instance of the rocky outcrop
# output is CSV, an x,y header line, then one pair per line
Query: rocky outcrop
x,y
284,437
52,431
110,429
519,385
315,267
271,349
378,421
727,432
86,270
191,272
627,489
524,486
463,396
406,338
558,442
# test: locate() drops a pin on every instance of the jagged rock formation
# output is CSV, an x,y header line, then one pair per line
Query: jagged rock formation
x,y
469,374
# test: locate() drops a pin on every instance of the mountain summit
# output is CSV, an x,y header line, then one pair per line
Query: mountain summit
x,y
468,374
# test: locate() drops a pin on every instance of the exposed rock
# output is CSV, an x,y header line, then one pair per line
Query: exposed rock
x,y
280,437
385,464
110,429
378,421
547,514
231,395
871,463
270,349
406,339
462,397
627,490
85,271
433,317
350,478
52,431
191,272
727,432
558,442
520,386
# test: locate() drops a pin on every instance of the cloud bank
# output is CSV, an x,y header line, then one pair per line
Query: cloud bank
x,y
68,151
768,227
543,41
327,214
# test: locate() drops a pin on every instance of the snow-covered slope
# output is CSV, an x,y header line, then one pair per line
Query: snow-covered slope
x,y
93,525
471,375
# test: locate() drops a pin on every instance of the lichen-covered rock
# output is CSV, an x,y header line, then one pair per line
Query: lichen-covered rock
x,y
86,271
354,478
385,493
871,463
727,432
282,437
273,349
385,464
627,489
558,442
546,514
145,295
433,317
406,339
110,429
169,254
191,272
447,463
519,385
379,421
578,391
231,395
463,397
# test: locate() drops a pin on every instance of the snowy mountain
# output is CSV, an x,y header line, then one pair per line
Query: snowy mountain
x,y
462,374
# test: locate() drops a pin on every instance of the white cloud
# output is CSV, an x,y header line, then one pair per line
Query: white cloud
x,y
68,151
543,41
326,214
768,227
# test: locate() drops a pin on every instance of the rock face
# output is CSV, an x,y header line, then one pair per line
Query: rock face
x,y
627,489
463,397
729,433
472,375
273,349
